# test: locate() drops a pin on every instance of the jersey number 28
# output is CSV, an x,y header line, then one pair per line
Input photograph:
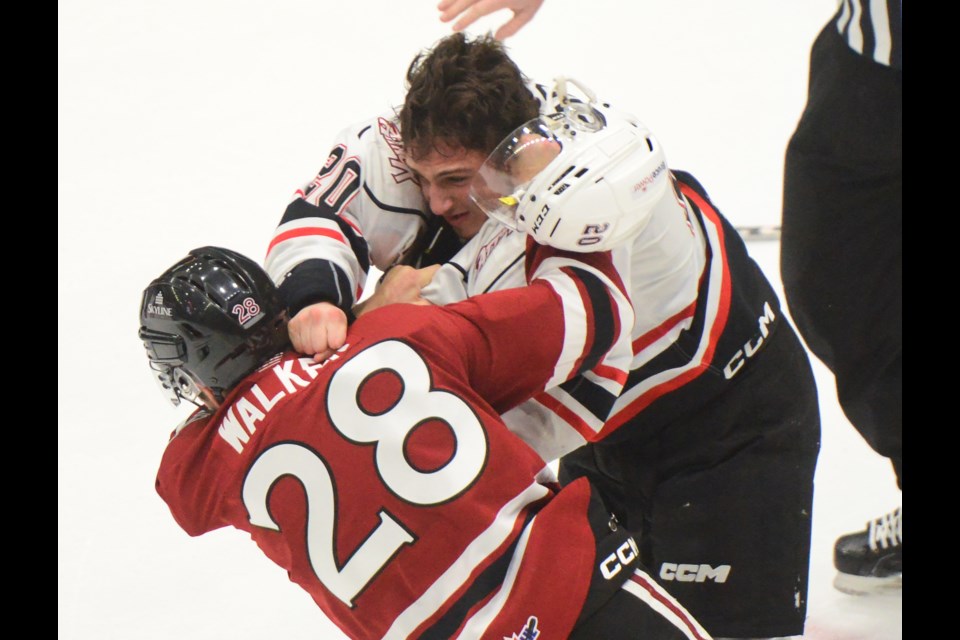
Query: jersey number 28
x,y
388,431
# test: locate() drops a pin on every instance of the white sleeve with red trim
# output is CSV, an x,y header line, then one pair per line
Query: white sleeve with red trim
x,y
664,269
572,411
362,208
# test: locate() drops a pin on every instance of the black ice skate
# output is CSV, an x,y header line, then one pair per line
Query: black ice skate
x,y
871,561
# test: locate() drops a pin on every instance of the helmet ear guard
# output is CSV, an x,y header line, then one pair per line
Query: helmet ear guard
x,y
582,179
208,321
166,352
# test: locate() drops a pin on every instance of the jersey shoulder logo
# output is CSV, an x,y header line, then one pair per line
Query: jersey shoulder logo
x,y
391,136
529,631
488,248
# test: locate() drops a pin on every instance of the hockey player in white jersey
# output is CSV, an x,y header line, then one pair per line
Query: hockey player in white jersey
x,y
364,207
710,451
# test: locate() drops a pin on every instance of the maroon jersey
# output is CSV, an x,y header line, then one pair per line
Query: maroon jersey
x,y
384,480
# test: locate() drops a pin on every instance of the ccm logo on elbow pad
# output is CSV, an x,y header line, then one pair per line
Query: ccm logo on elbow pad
x,y
614,563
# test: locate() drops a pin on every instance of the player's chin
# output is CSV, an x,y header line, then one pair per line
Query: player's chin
x,y
466,225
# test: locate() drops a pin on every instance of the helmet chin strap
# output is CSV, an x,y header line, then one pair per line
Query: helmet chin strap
x,y
190,389
577,114
560,87
209,399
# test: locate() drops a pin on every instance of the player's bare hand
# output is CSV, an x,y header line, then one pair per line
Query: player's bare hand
x,y
467,12
318,330
399,284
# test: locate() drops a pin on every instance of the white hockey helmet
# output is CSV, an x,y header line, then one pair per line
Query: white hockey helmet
x,y
582,179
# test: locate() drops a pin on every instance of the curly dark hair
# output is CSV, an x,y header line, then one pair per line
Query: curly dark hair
x,y
463,94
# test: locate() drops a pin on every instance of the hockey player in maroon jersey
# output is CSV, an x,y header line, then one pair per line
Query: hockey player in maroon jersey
x,y
710,450
383,479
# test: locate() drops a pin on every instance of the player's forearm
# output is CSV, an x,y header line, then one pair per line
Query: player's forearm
x,y
316,281
316,257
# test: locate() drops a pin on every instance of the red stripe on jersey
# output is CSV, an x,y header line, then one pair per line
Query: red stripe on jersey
x,y
536,254
714,332
646,399
656,333
651,587
723,308
355,228
611,373
305,231
568,416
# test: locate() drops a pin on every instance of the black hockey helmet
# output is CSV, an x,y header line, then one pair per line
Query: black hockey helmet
x,y
210,320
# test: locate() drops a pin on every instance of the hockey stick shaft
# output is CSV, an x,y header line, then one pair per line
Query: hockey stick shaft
x,y
759,232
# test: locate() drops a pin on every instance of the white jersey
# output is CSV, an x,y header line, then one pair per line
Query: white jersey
x,y
701,305
362,208
490,261
661,268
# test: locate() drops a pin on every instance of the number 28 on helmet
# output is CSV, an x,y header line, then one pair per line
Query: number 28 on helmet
x,y
208,321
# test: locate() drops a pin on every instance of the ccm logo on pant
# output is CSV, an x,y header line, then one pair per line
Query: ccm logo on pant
x,y
693,572
614,563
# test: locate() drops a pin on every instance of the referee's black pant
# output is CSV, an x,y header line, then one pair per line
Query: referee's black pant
x,y
841,246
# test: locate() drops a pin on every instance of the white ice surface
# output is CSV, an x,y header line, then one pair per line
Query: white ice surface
x,y
182,124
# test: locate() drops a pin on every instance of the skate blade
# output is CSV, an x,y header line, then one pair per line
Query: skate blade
x,y
866,585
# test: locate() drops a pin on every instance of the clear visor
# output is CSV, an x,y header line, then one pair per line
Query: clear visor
x,y
502,182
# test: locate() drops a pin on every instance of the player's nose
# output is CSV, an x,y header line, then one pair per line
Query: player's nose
x,y
439,200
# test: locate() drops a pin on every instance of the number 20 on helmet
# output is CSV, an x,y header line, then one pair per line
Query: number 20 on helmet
x,y
583,179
